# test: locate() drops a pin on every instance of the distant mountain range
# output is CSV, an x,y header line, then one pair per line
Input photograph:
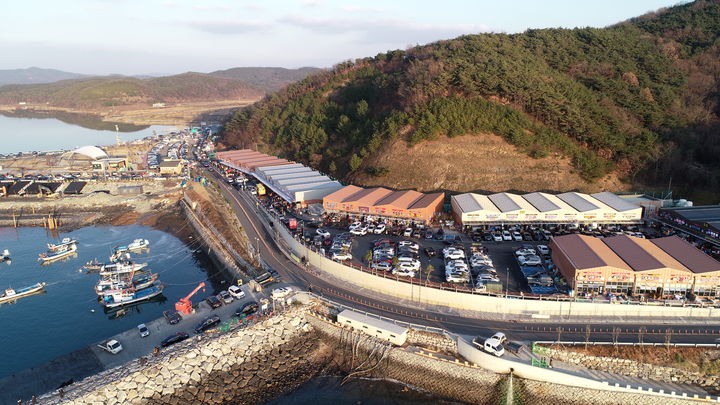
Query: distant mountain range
x,y
72,90
35,75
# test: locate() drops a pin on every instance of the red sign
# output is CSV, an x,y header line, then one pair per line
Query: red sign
x,y
292,223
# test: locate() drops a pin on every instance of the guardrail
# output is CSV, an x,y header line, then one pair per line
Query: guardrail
x,y
576,343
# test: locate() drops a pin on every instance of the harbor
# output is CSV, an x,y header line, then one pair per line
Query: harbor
x,y
67,313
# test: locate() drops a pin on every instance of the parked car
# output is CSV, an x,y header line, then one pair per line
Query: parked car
x,y
341,256
225,297
143,330
407,232
379,229
172,339
497,236
384,266
517,237
323,232
281,292
173,317
543,249
236,292
531,260
207,323
430,252
213,301
249,308
429,234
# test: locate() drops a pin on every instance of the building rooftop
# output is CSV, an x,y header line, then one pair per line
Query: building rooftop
x,y
587,252
703,213
342,194
400,199
615,202
374,322
426,201
541,202
690,256
641,254
504,202
577,201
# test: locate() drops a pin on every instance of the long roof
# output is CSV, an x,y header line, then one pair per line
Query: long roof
x,y
342,194
704,213
370,196
426,201
578,201
541,202
400,199
586,252
374,322
690,256
301,180
641,254
312,186
504,202
268,170
615,202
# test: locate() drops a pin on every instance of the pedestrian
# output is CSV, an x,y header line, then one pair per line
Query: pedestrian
x,y
156,350
62,392
33,400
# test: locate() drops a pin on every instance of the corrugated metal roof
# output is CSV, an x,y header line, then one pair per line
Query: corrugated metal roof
x,y
577,201
707,213
586,252
374,322
426,200
312,186
400,199
466,203
522,203
371,195
504,202
690,256
269,169
301,180
615,202
285,170
634,254
284,176
342,194
540,202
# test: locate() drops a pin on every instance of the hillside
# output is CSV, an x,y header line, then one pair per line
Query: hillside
x,y
267,78
99,92
34,75
636,101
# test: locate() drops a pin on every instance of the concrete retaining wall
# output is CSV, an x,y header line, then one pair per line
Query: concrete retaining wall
x,y
484,303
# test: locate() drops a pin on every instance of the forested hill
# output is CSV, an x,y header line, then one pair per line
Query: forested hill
x,y
109,91
267,78
638,100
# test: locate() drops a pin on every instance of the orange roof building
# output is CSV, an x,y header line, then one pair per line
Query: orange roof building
x,y
379,201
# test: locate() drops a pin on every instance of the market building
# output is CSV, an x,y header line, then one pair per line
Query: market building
x,y
383,203
626,264
470,209
701,220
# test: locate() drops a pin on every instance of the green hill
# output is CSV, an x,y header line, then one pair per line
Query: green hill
x,y
268,78
35,75
109,91
637,100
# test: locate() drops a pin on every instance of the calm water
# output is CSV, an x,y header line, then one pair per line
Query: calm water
x,y
327,390
67,317
21,134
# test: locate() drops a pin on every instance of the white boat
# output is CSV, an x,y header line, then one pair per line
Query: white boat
x,y
62,245
121,268
137,244
136,281
129,296
5,256
58,252
11,294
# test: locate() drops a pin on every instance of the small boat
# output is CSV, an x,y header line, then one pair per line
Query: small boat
x,y
137,281
137,244
62,245
5,256
130,295
58,252
11,294
92,266
121,268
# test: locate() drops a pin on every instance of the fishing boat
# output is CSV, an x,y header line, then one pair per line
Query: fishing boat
x,y
138,281
92,266
123,297
5,256
137,244
62,245
58,252
121,268
11,294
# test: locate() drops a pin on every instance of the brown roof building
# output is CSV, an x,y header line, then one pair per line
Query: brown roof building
x,y
406,204
587,263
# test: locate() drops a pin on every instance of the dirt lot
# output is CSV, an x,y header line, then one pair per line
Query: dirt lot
x,y
476,162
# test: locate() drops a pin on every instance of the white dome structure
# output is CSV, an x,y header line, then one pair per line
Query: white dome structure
x,y
93,152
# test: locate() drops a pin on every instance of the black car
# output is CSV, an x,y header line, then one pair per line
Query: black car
x,y
430,251
487,236
247,309
213,301
172,339
172,317
207,324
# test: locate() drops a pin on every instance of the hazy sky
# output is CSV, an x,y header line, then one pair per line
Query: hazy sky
x,y
173,36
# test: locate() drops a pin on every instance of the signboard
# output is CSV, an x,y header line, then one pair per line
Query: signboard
x,y
292,223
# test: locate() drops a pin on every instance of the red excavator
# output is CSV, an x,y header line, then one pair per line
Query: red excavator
x,y
185,305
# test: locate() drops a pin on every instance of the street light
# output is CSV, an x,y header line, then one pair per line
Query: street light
x,y
507,280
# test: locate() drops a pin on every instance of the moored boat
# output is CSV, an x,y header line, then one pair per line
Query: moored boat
x,y
138,281
137,244
129,296
58,252
121,268
93,265
11,294
62,245
5,256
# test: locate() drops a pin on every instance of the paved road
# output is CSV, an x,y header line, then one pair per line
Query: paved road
x,y
601,330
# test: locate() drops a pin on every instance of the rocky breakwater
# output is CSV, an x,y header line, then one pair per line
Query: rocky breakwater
x,y
246,366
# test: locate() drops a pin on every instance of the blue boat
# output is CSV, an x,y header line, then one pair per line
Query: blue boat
x,y
128,296
138,281
11,294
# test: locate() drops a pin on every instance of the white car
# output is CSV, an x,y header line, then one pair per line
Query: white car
x,y
281,292
506,235
409,244
354,225
525,252
384,266
359,231
412,264
400,271
516,235
379,229
456,277
454,254
532,260
407,233
236,292
341,256
323,232
497,236
543,249
144,331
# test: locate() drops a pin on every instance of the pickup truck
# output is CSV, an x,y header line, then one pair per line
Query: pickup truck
x,y
111,346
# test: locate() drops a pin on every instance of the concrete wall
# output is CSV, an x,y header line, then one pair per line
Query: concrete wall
x,y
476,302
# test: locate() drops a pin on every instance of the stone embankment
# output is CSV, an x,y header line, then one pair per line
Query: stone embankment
x,y
637,369
246,366
432,341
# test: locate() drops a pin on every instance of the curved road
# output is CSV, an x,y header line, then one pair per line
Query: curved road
x,y
600,330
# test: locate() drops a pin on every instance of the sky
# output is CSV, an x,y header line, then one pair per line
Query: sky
x,y
173,36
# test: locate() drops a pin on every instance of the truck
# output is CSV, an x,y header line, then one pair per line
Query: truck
x,y
260,189
492,345
111,346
